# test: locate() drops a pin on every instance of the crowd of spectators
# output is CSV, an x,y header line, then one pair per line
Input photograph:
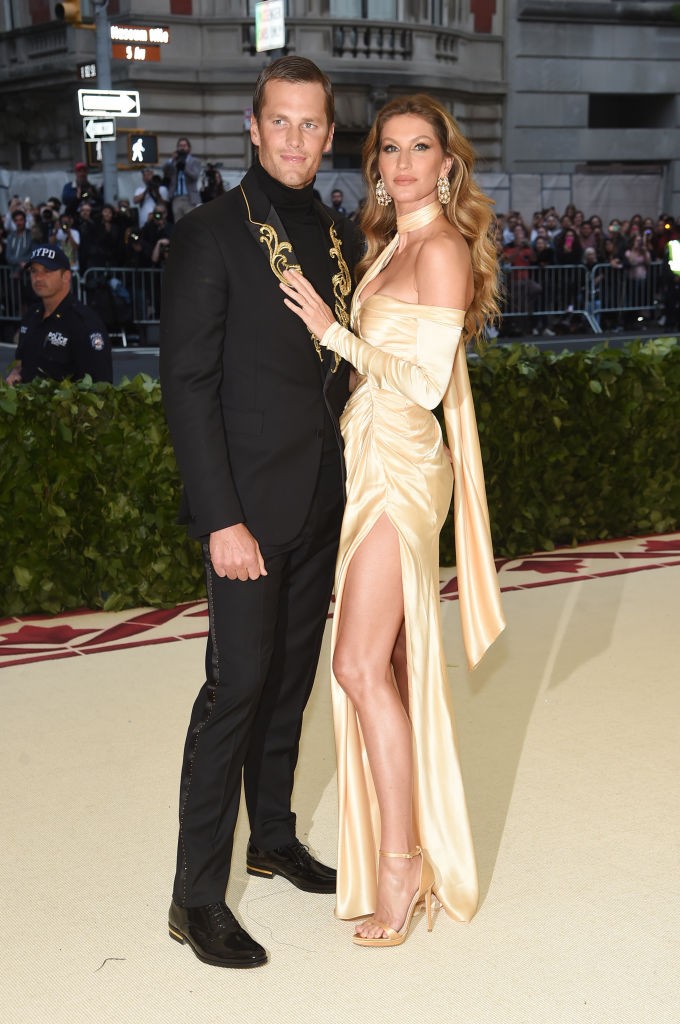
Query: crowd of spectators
x,y
573,238
92,233
132,233
619,256
137,233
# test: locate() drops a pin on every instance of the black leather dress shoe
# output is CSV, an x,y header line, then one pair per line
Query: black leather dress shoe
x,y
215,935
293,862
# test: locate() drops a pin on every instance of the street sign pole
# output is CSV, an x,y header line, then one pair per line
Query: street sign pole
x,y
104,82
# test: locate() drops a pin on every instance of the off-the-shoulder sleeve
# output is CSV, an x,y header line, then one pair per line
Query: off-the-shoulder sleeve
x,y
423,381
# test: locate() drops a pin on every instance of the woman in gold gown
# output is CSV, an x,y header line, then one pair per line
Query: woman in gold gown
x,y
428,279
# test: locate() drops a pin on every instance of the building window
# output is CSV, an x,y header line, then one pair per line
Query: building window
x,y
250,8
631,110
39,11
372,10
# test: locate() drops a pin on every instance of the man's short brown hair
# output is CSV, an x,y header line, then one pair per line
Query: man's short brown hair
x,y
293,69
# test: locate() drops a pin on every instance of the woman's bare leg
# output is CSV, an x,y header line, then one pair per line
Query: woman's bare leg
x,y
371,620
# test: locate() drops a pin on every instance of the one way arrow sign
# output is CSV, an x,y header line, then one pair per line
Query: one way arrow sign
x,y
108,103
99,128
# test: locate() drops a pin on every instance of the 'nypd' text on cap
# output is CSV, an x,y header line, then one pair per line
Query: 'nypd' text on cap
x,y
49,256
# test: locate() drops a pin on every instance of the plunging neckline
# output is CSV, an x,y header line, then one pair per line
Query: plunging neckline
x,y
408,222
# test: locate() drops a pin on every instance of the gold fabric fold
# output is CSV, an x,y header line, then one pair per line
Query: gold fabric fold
x,y
478,591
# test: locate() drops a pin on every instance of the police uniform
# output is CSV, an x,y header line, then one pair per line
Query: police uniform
x,y
70,342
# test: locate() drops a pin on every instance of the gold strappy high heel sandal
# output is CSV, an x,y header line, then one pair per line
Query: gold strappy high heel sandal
x,y
422,893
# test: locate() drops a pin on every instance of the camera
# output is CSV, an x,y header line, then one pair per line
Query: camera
x,y
134,237
64,225
212,183
157,215
47,215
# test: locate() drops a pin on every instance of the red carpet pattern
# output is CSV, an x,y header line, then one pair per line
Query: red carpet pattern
x,y
74,634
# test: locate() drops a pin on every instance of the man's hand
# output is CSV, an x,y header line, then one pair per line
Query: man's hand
x,y
235,553
14,376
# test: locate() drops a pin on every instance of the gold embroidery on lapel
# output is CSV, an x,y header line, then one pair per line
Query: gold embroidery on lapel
x,y
278,262
342,281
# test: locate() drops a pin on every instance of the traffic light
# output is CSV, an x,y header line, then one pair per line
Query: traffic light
x,y
69,11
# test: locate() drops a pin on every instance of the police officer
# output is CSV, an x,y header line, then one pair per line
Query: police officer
x,y
60,337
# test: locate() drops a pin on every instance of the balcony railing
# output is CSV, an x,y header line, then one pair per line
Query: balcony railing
x,y
381,41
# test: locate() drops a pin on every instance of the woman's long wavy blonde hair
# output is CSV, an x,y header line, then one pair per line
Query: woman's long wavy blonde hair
x,y
469,209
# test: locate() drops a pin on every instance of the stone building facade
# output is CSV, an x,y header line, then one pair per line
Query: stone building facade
x,y
593,101
202,85
563,99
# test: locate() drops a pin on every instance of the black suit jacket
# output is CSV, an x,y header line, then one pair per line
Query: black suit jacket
x,y
244,390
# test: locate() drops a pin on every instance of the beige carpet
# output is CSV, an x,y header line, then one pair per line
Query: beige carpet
x,y
570,744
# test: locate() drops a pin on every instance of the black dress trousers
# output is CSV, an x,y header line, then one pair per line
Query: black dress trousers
x,y
262,653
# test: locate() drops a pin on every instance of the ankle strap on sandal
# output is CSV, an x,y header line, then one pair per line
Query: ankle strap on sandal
x,y
402,856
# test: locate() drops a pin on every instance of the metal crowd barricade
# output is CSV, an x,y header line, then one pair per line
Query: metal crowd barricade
x,y
538,292
10,294
123,296
128,296
615,291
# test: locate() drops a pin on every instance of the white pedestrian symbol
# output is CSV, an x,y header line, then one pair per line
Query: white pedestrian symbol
x,y
138,151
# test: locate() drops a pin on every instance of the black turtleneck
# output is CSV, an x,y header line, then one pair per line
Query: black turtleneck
x,y
304,227
311,244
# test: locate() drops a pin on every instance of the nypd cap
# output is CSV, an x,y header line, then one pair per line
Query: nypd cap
x,y
49,256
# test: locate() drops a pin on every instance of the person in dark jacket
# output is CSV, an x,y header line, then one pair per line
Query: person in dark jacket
x,y
252,404
59,337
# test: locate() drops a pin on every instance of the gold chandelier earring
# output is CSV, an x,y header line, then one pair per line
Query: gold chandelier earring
x,y
382,196
443,190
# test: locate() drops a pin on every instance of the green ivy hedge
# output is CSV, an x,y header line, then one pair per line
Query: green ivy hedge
x,y
88,500
577,447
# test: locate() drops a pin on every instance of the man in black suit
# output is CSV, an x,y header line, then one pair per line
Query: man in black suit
x,y
252,402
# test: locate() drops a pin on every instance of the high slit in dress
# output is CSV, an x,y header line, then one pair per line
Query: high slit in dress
x,y
396,464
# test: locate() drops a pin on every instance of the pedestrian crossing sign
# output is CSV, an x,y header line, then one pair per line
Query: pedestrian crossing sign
x,y
142,148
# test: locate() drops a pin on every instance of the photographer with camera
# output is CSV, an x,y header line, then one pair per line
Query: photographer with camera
x,y
160,253
213,186
150,192
182,173
45,224
24,206
68,238
155,229
74,192
87,229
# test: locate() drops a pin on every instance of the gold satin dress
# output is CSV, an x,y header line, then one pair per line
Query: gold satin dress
x,y
409,358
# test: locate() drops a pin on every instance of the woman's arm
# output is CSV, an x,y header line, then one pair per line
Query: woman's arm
x,y
423,381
